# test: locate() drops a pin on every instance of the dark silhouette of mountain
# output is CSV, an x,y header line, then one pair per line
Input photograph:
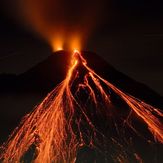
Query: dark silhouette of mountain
x,y
47,74
20,93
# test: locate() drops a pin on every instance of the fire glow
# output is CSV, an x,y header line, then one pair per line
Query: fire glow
x,y
63,124
60,43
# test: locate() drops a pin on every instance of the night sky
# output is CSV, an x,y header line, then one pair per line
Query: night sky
x,y
128,34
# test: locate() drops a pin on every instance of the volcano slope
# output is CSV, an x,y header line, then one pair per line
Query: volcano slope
x,y
94,114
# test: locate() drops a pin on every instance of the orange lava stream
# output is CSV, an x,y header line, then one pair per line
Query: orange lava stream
x,y
142,109
49,128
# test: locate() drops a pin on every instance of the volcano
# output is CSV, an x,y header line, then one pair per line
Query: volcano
x,y
93,113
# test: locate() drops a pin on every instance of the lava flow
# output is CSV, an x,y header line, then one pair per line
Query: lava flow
x,y
78,115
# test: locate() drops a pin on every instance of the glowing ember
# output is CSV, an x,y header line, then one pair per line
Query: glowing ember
x,y
66,122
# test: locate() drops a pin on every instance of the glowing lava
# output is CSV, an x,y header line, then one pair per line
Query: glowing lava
x,y
69,120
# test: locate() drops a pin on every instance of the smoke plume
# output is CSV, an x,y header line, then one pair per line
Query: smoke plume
x,y
64,24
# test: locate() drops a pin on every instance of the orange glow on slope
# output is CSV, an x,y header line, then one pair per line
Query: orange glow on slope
x,y
62,124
